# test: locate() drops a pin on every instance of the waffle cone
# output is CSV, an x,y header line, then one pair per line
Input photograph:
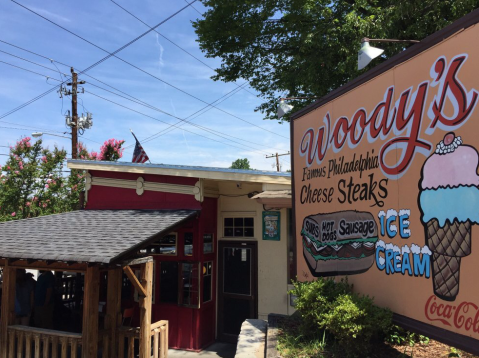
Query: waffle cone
x,y
448,244
445,274
450,240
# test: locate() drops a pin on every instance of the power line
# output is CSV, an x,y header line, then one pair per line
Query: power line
x,y
136,100
92,66
159,120
35,63
113,54
196,115
194,8
173,43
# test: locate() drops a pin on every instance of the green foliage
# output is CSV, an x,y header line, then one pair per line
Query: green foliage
x,y
291,48
240,164
33,180
453,353
294,344
353,320
399,336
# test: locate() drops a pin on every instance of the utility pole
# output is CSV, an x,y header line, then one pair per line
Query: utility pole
x,y
74,83
277,159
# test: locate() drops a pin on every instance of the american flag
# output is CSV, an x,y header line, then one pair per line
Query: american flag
x,y
139,155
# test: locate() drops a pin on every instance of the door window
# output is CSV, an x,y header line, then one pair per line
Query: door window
x,y
237,270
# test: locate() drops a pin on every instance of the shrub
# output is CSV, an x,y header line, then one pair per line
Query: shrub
x,y
353,320
314,299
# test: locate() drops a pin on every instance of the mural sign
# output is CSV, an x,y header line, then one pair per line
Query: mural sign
x,y
386,187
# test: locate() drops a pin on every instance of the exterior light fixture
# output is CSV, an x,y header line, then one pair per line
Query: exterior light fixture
x,y
39,134
284,108
367,53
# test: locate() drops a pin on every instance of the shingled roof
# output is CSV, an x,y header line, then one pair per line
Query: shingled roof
x,y
94,236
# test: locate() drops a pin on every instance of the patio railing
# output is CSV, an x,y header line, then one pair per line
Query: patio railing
x,y
29,342
128,336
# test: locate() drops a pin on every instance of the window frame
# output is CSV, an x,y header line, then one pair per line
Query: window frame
x,y
234,226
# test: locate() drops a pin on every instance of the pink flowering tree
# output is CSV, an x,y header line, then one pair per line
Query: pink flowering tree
x,y
110,151
32,181
35,181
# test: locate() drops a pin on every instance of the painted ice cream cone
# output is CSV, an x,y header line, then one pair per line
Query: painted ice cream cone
x,y
448,244
449,201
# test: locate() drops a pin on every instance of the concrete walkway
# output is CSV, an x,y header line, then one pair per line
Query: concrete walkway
x,y
218,349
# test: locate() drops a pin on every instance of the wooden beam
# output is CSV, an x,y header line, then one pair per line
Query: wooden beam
x,y
113,308
55,266
91,294
8,306
137,261
145,310
141,290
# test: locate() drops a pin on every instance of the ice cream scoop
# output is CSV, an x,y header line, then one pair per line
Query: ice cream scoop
x,y
449,202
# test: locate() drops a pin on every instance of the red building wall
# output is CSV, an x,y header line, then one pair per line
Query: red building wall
x,y
102,197
189,328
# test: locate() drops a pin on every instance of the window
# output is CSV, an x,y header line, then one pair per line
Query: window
x,y
208,243
188,243
179,283
165,246
238,227
207,281
190,295
169,282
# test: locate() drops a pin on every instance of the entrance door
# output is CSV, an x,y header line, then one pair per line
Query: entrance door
x,y
237,286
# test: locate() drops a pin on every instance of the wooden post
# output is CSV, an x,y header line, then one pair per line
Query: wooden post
x,y
8,306
145,310
91,294
113,308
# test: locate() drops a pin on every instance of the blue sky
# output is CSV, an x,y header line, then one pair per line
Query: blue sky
x,y
109,27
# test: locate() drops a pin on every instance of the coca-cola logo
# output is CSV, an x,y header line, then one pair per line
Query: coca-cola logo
x,y
464,315
404,118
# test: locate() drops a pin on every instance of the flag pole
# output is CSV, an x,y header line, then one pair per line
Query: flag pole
x,y
139,142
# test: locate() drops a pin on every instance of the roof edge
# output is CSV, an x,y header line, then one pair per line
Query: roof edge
x,y
193,172
460,24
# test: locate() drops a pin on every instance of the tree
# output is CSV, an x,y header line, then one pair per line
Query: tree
x,y
240,164
296,48
33,180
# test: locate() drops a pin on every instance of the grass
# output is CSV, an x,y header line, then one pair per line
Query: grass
x,y
292,343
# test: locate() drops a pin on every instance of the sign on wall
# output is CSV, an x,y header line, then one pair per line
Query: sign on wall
x,y
271,225
387,187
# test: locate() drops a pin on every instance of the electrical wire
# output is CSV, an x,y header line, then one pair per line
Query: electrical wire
x,y
175,44
164,131
194,8
113,54
159,120
88,68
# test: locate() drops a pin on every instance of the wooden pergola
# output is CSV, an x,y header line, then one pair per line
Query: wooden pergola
x,y
65,242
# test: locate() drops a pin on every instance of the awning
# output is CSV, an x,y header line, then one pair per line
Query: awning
x,y
93,236
275,198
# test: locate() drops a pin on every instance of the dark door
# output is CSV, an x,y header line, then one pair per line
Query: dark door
x,y
237,286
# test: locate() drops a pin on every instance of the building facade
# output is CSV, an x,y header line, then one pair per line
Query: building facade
x,y
233,261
